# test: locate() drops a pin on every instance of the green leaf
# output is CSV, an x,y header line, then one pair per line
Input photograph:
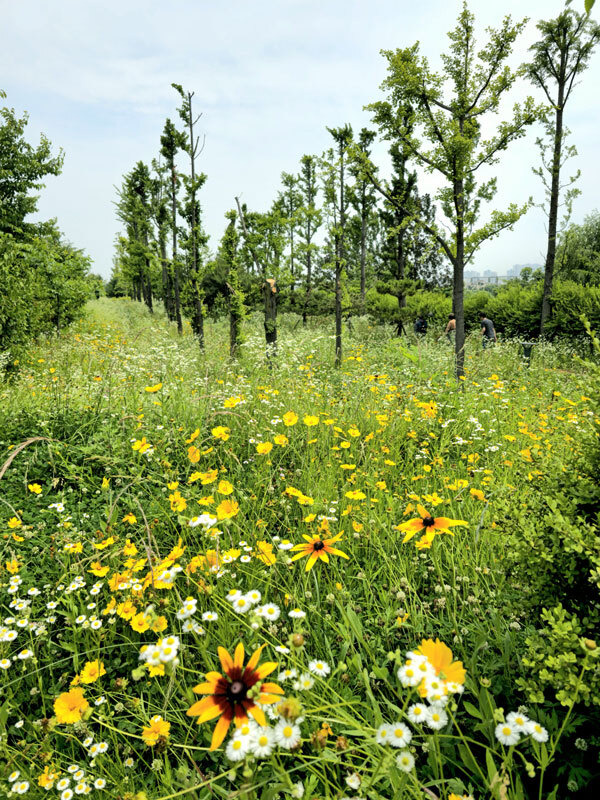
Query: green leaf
x,y
472,710
589,4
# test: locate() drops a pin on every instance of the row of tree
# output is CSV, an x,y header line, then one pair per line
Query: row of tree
x,y
44,280
338,225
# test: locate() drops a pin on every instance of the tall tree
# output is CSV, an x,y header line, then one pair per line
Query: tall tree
x,y
161,216
197,237
22,169
363,200
290,202
171,141
452,143
310,221
264,241
230,256
559,57
336,195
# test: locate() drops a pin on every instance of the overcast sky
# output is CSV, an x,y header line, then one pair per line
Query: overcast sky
x,y
268,77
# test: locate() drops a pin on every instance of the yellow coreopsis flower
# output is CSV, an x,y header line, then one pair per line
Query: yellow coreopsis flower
x,y
193,454
152,389
221,432
281,439
35,488
91,672
157,729
224,487
130,518
178,503
290,418
310,420
12,566
227,509
69,706
14,522
264,448
98,570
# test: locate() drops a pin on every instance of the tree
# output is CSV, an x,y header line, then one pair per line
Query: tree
x,y
310,220
363,200
229,254
171,141
289,205
559,57
336,196
197,238
578,252
22,168
264,242
452,144
135,211
161,217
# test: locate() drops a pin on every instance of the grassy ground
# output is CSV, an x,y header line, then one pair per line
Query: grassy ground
x,y
120,438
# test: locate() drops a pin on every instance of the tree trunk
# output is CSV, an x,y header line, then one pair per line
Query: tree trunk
x,y
553,214
339,262
197,318
175,262
308,281
270,298
458,286
363,249
166,286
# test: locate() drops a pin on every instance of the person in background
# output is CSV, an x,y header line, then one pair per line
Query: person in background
x,y
488,332
420,326
450,331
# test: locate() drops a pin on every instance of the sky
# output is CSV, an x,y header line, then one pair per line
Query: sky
x,y
269,76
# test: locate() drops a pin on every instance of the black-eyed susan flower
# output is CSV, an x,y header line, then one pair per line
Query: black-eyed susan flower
x,y
236,694
431,525
316,548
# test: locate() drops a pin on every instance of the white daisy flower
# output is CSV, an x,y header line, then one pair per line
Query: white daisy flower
x,y
383,734
405,761
320,668
538,733
287,734
436,718
507,733
400,735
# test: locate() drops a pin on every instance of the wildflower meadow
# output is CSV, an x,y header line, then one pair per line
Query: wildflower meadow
x,y
270,578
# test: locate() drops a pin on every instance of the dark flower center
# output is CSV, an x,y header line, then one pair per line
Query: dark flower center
x,y
236,691
318,545
428,521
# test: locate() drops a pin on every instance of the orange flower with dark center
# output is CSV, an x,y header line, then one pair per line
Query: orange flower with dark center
x,y
317,548
432,527
236,694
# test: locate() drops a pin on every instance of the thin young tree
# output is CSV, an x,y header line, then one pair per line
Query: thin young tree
x,y
197,237
559,57
336,195
171,141
161,217
230,256
444,136
311,219
290,203
363,200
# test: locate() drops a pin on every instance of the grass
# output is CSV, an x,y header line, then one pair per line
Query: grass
x,y
129,447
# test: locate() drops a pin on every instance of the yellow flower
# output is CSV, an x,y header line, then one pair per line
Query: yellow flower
x,y
290,418
104,543
47,778
477,494
224,487
12,566
92,671
193,436
221,432
354,432
263,448
232,402
157,729
14,522
355,495
139,622
317,549
310,420
141,445
159,625
69,706
97,569
265,553
130,549
193,454
281,439
130,518
178,503
35,488
152,389
209,477
227,509
105,484
126,610
431,526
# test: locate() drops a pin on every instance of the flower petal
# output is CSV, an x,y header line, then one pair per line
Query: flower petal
x,y
266,669
337,552
312,561
258,714
226,660
220,731
254,657
238,657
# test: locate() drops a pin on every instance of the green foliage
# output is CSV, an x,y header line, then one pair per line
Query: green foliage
x,y
578,252
557,659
